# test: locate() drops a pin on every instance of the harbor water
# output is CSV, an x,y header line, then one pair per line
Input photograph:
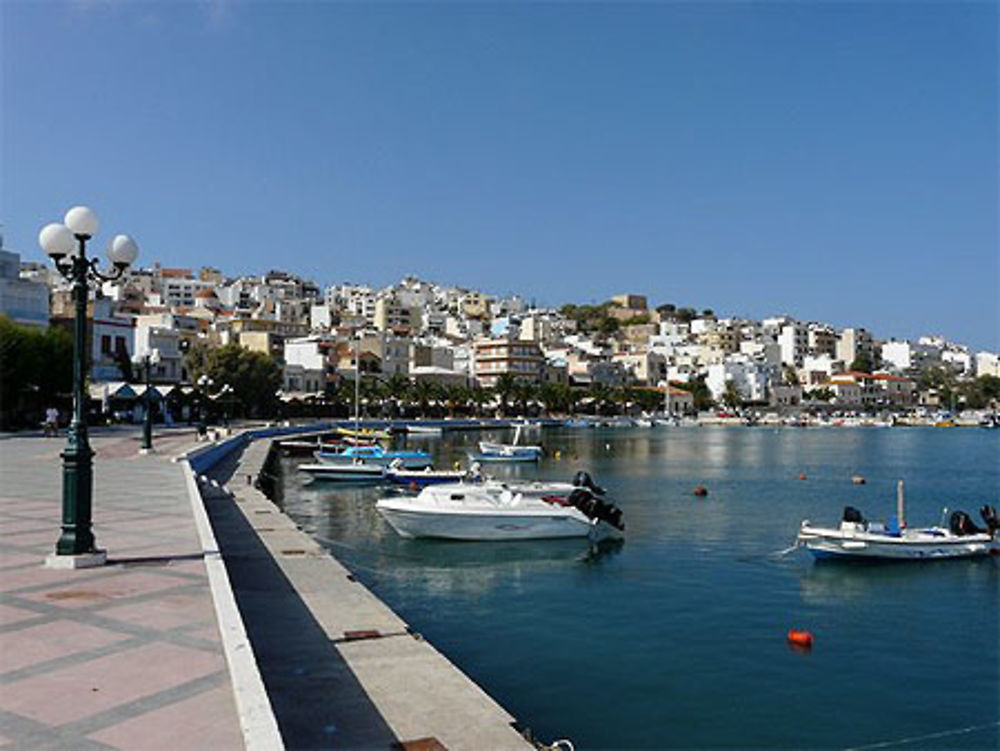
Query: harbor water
x,y
676,638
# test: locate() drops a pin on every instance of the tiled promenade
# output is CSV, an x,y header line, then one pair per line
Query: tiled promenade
x,y
127,656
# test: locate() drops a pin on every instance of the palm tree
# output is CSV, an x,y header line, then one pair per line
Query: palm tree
x,y
504,388
457,398
480,396
397,389
523,391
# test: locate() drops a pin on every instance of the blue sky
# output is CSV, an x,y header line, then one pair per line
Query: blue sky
x,y
835,161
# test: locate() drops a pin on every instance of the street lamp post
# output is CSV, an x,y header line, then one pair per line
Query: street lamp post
x,y
147,360
66,245
204,383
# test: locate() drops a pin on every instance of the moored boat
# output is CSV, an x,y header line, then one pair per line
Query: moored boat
x,y
856,537
375,455
496,511
353,472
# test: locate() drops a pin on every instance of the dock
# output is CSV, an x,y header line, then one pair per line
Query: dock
x,y
216,622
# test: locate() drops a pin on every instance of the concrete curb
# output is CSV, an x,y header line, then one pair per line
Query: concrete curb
x,y
257,720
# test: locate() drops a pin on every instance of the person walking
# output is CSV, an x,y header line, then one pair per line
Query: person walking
x,y
51,425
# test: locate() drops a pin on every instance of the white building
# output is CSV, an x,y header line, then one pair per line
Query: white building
x,y
749,377
905,356
988,363
793,339
24,301
171,366
854,343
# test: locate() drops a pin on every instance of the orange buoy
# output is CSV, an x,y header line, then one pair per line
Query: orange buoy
x,y
700,490
802,639
802,475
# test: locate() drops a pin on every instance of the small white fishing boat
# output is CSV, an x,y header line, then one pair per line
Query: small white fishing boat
x,y
354,472
424,430
495,511
508,452
858,538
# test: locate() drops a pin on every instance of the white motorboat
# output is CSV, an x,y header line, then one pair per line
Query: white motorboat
x,y
495,511
856,537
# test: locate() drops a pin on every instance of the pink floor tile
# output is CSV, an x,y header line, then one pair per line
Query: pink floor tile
x,y
206,721
10,614
96,686
168,611
48,641
104,589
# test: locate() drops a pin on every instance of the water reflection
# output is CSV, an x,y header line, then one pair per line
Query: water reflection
x,y
697,573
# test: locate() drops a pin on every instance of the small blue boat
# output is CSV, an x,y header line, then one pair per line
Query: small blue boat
x,y
375,455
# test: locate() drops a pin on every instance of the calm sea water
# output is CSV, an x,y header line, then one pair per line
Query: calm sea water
x,y
676,638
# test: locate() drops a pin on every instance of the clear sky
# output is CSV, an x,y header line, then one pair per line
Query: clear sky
x,y
834,161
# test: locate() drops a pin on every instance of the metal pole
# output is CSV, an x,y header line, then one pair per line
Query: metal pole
x,y
77,537
147,423
357,385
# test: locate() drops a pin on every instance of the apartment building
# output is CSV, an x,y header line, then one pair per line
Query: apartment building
x,y
520,358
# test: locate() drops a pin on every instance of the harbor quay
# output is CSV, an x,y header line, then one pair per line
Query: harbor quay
x,y
215,622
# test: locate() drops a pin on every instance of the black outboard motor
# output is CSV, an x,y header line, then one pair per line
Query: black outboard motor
x,y
989,515
596,508
583,480
961,524
851,514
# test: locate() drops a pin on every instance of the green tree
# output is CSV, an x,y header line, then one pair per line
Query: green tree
x,y
36,371
789,376
398,389
254,377
862,363
700,392
732,397
504,389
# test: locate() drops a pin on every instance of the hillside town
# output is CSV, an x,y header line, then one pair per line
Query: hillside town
x,y
428,341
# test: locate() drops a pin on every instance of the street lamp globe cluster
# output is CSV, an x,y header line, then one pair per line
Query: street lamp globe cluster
x,y
66,244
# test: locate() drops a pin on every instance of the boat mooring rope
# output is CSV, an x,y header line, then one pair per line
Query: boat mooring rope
x,y
929,736
786,551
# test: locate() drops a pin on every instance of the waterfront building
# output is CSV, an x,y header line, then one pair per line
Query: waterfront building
x,y
297,379
855,389
24,301
818,369
646,368
520,358
750,378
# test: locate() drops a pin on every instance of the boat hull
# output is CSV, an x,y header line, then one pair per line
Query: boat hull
x,y
423,479
409,460
487,526
832,544
344,472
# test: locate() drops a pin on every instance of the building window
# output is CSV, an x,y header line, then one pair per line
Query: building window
x,y
105,344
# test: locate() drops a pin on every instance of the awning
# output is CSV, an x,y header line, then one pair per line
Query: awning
x,y
112,390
